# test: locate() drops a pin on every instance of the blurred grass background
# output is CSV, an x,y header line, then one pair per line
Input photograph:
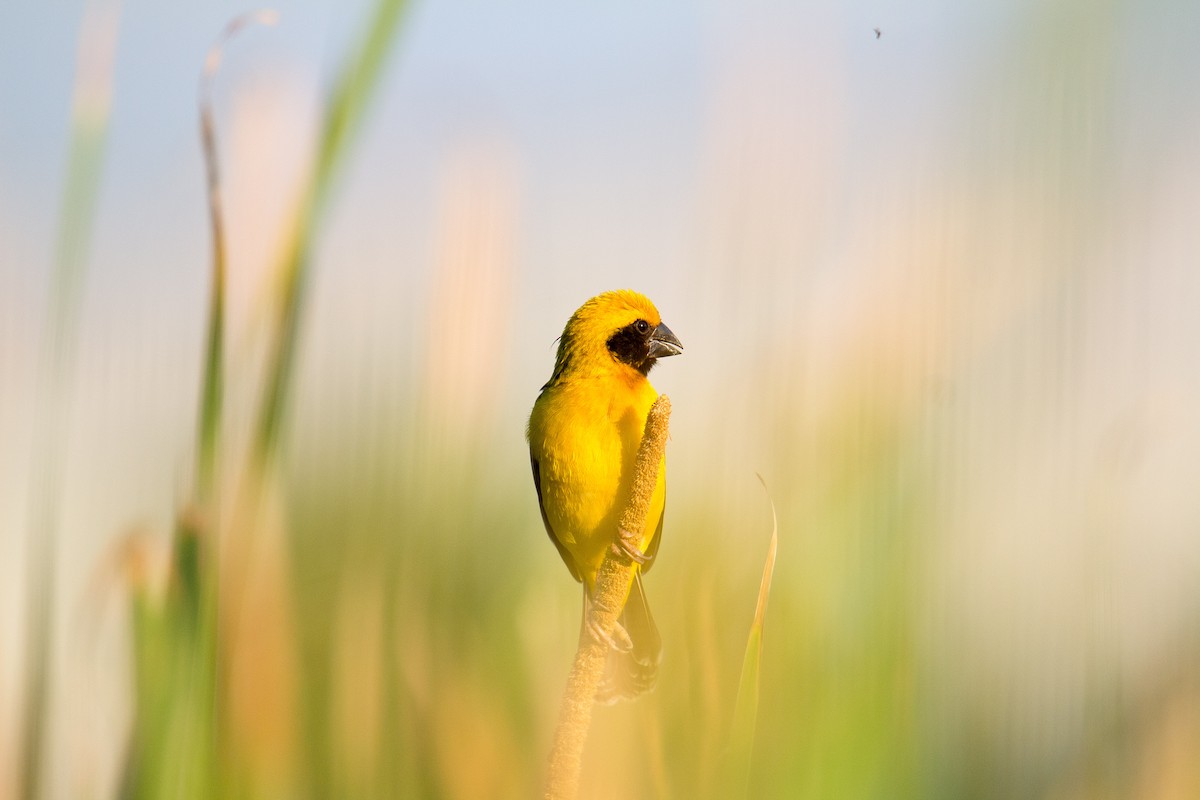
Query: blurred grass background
x,y
939,287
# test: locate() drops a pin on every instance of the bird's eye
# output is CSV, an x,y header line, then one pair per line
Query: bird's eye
x,y
642,326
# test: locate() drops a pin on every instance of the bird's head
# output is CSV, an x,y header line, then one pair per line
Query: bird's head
x,y
616,331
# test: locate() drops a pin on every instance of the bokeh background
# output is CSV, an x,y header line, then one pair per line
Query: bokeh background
x,y
938,286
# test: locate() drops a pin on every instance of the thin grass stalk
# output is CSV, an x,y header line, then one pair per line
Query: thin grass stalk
x,y
187,735
613,582
88,135
212,387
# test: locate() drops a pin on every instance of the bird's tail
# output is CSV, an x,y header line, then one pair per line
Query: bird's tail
x,y
629,674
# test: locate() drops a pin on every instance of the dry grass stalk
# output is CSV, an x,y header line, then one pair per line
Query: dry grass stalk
x,y
612,590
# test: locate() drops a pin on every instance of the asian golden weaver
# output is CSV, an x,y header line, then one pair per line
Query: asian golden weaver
x,y
584,434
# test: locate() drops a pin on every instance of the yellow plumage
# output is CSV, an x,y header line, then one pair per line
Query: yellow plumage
x,y
584,433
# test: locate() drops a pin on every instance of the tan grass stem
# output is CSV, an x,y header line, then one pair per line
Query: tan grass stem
x,y
90,107
613,582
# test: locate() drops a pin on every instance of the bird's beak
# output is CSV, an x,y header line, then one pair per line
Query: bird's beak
x,y
663,343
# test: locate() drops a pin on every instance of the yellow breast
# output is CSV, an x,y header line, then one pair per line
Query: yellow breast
x,y
585,436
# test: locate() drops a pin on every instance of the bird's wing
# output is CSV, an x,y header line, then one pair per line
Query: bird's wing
x,y
652,548
562,551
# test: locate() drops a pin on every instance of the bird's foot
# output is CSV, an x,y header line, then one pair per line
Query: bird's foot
x,y
616,639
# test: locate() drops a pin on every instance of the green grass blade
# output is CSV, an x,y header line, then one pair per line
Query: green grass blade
x,y
745,712
344,113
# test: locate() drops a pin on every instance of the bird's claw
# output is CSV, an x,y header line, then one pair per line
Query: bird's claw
x,y
626,546
617,640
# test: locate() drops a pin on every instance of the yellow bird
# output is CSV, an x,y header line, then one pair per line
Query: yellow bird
x,y
584,433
